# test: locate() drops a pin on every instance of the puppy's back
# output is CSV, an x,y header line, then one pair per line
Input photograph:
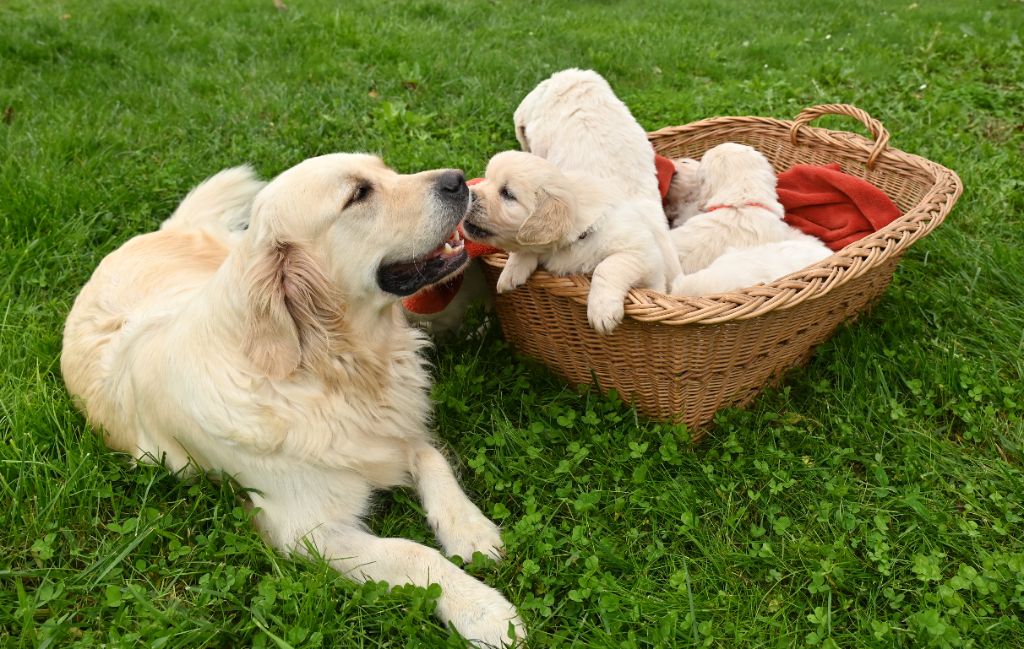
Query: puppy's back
x,y
575,120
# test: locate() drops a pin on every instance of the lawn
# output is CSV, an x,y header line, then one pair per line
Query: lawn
x,y
875,499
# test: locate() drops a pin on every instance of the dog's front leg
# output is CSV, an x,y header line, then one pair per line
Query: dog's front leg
x,y
458,524
518,268
612,279
480,613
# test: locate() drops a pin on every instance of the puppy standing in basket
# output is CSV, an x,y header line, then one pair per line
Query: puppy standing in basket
x,y
586,201
739,238
278,356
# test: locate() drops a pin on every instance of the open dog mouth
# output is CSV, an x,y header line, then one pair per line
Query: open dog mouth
x,y
404,278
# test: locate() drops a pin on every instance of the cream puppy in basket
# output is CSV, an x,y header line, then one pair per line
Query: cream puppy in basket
x,y
739,238
593,206
568,222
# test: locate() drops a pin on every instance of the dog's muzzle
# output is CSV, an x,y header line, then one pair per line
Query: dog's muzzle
x,y
403,278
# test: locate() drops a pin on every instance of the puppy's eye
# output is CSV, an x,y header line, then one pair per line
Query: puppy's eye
x,y
362,192
506,194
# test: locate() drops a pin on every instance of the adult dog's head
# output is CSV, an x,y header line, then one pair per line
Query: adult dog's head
x,y
338,233
524,202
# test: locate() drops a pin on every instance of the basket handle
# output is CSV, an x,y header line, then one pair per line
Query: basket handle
x,y
878,131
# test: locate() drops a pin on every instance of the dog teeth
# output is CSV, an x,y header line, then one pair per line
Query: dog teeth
x,y
448,249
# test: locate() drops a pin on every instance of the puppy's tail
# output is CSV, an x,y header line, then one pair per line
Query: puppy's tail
x,y
220,204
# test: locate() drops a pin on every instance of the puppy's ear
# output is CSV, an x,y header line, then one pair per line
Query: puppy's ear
x,y
294,313
550,221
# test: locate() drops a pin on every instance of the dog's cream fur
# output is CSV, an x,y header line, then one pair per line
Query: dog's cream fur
x,y
575,122
683,198
739,244
538,213
272,356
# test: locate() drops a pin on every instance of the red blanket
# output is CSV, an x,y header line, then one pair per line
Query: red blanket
x,y
836,207
821,201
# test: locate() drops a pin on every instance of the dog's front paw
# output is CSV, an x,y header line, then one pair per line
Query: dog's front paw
x,y
484,617
466,532
604,315
512,277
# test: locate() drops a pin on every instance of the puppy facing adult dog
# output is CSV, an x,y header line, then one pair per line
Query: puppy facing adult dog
x,y
739,238
569,223
279,356
575,122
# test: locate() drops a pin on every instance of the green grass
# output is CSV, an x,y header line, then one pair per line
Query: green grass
x,y
877,499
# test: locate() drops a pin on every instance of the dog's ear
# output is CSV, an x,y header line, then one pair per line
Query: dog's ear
x,y
550,221
294,313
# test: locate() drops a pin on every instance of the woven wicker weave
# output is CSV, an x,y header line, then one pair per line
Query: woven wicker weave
x,y
681,358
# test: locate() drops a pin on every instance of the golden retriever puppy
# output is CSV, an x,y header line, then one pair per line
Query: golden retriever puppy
x,y
279,356
739,238
683,198
568,222
575,121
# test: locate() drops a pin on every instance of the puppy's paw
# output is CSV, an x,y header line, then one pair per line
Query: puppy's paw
x,y
484,617
604,314
512,277
464,532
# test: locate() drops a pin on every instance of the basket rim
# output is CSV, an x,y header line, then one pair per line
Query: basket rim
x,y
812,282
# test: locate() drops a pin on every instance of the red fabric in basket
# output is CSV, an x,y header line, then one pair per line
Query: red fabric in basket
x,y
666,170
833,206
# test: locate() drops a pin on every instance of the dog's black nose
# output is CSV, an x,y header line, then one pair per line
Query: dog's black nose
x,y
452,184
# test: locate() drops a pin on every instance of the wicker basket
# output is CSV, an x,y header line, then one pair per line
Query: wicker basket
x,y
680,358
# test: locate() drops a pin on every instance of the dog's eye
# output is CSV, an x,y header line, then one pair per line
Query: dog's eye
x,y
362,192
506,194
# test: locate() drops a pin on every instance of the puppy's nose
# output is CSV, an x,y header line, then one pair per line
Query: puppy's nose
x,y
452,184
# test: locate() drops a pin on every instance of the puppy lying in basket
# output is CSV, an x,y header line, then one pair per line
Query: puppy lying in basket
x,y
586,201
739,238
278,356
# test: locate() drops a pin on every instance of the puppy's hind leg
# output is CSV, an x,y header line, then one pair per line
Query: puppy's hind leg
x,y
459,525
730,272
480,613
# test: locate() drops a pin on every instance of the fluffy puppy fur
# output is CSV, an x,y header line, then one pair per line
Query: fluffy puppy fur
x,y
683,198
740,214
575,121
569,223
279,356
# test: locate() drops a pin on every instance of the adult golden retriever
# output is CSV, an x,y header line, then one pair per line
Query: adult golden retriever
x,y
279,356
